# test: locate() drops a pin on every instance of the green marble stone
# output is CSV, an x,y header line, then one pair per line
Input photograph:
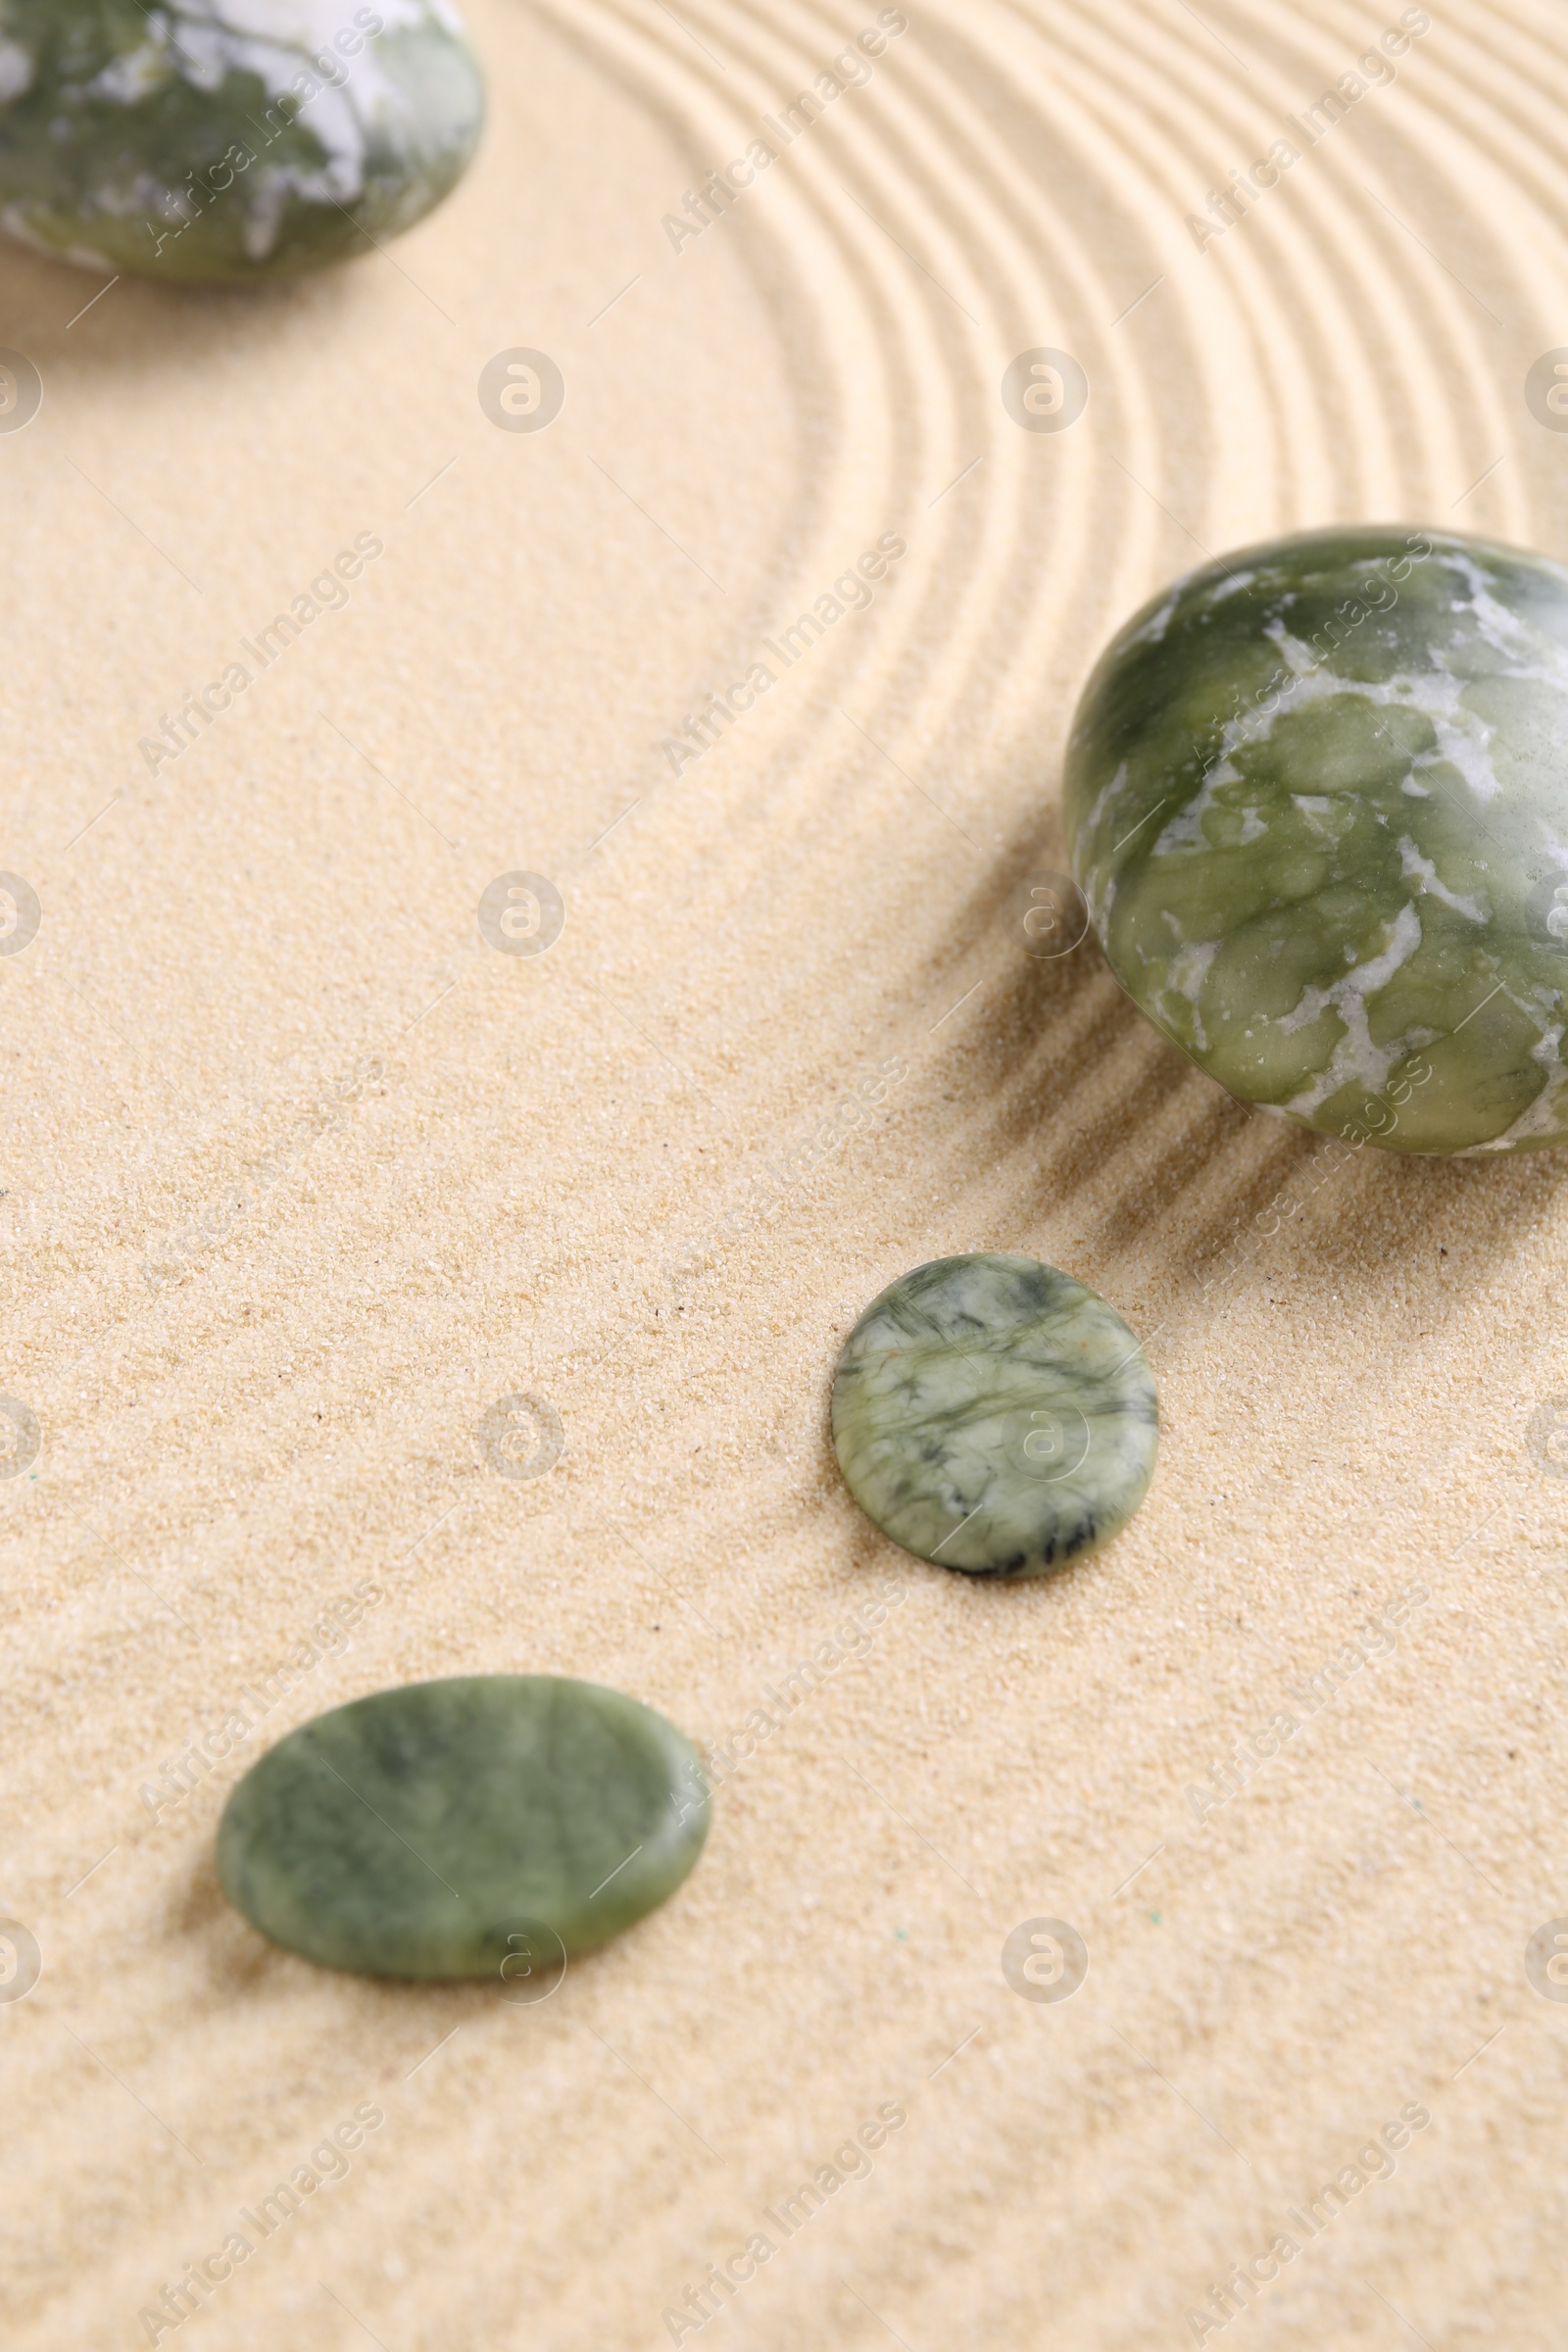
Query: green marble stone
x,y
992,1415
229,141
1317,798
412,1833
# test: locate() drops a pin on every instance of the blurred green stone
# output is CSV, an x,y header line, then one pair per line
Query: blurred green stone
x,y
262,140
426,1832
1317,797
994,1415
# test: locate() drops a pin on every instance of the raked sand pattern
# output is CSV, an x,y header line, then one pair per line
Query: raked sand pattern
x,y
791,1040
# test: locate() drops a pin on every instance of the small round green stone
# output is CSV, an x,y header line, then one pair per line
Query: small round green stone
x,y
994,1415
419,1831
1316,799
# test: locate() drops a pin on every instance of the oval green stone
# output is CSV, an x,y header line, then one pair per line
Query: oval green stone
x,y
1317,798
992,1415
411,1834
250,140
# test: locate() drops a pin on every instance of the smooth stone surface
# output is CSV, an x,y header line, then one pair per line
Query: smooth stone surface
x,y
1317,797
251,142
992,1415
406,1833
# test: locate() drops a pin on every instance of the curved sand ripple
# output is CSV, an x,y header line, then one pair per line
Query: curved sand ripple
x,y
562,1188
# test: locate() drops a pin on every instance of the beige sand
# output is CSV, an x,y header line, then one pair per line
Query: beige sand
x,y
512,1156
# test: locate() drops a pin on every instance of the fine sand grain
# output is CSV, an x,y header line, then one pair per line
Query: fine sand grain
x,y
300,1176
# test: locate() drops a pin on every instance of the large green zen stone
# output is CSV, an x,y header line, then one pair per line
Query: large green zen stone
x,y
432,1830
992,1415
228,139
1317,797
